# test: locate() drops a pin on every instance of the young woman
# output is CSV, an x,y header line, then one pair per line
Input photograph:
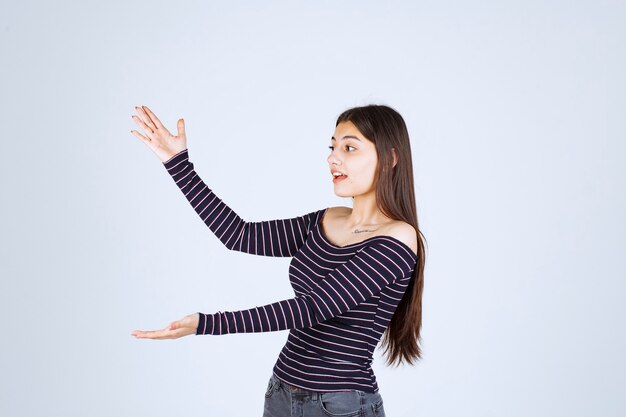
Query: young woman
x,y
357,272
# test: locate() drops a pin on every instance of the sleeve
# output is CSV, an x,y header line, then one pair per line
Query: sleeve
x,y
365,274
283,237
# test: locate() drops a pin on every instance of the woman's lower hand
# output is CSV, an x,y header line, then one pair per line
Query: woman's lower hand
x,y
157,137
184,327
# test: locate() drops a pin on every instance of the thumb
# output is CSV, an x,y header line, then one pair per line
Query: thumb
x,y
181,127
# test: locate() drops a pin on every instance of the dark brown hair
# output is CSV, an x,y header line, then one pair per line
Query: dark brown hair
x,y
395,197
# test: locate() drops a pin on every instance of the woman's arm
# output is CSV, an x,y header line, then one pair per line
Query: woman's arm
x,y
367,273
282,237
270,238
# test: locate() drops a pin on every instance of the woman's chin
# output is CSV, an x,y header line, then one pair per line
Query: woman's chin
x,y
343,195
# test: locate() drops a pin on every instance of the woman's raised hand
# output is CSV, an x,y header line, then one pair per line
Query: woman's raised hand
x,y
158,138
184,327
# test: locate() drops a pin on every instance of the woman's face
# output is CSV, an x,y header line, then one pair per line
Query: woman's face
x,y
355,157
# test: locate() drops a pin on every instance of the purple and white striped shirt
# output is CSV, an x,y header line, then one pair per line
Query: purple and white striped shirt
x,y
345,295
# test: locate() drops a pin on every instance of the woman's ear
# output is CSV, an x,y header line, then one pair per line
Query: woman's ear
x,y
395,157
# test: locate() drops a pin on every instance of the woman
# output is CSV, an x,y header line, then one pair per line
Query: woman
x,y
355,271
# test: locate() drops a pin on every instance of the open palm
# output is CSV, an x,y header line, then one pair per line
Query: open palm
x,y
157,137
183,327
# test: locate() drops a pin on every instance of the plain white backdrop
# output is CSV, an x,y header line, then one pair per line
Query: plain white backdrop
x,y
516,111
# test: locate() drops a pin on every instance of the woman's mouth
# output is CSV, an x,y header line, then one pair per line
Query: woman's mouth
x,y
338,178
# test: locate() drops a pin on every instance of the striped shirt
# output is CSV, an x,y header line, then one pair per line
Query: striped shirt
x,y
344,299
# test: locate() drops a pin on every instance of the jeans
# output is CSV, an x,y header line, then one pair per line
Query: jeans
x,y
284,400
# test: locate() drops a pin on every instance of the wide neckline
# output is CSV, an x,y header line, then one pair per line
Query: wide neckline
x,y
321,232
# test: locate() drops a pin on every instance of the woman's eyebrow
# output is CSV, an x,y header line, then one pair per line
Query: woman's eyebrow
x,y
347,137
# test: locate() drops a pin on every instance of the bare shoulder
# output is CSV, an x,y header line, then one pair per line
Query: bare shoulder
x,y
405,233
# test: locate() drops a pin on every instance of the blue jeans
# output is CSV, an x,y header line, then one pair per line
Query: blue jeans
x,y
284,400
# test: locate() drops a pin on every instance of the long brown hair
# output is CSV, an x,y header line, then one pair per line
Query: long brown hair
x,y
395,197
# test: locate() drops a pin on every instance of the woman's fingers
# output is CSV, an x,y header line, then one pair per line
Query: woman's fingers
x,y
181,128
145,118
157,334
140,136
156,136
141,124
153,117
176,329
144,334
151,124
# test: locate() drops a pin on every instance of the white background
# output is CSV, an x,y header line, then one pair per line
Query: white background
x,y
516,111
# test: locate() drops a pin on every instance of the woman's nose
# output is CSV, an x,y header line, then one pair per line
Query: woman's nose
x,y
333,160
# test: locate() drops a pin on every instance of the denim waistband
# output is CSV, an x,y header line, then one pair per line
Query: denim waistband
x,y
276,382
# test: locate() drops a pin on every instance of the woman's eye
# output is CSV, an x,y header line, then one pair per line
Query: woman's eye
x,y
347,146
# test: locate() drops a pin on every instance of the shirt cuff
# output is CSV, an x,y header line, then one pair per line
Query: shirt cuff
x,y
180,156
201,324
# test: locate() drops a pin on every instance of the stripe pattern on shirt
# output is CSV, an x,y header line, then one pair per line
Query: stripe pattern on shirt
x,y
344,296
